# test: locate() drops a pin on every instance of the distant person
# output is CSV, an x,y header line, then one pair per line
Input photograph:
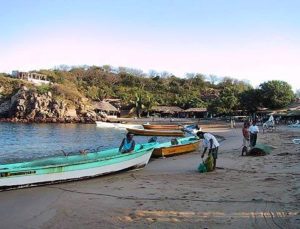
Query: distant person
x,y
253,129
210,142
246,137
232,123
271,119
127,144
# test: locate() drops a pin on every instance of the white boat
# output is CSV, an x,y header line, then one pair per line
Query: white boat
x,y
106,124
66,168
117,125
127,125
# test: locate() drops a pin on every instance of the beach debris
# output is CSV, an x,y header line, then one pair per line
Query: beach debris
x,y
270,179
283,154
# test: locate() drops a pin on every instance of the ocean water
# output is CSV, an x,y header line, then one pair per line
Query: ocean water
x,y
26,142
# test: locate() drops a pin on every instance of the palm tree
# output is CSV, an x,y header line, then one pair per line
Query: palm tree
x,y
149,103
138,105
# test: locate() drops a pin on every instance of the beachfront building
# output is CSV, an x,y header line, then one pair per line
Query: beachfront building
x,y
105,109
196,112
167,111
35,78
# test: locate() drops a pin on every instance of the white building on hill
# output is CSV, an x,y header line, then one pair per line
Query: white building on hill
x,y
35,78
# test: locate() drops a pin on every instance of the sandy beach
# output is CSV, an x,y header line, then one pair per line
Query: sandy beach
x,y
244,192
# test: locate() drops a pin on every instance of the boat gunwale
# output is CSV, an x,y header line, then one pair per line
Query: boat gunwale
x,y
174,146
155,132
139,151
162,126
191,139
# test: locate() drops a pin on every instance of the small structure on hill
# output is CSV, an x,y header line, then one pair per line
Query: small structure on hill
x,y
35,78
105,109
115,102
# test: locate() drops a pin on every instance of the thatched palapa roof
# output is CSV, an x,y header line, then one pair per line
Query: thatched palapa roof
x,y
104,106
294,106
167,109
294,113
196,109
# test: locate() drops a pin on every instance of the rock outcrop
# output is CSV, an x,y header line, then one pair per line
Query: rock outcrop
x,y
29,106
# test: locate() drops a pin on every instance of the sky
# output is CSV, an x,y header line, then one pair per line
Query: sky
x,y
257,40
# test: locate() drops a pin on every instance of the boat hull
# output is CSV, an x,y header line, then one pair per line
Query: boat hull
x,y
54,174
175,133
117,125
162,127
105,124
172,150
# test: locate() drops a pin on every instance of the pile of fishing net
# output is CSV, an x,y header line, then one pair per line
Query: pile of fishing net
x,y
260,150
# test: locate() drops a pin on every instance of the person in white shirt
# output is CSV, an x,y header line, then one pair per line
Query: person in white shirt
x,y
210,142
253,129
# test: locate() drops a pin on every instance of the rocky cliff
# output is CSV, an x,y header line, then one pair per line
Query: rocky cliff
x,y
29,106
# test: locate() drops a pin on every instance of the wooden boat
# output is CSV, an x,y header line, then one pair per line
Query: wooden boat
x,y
185,145
117,125
143,132
66,168
162,127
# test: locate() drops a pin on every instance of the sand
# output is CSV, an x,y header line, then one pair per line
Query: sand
x,y
244,192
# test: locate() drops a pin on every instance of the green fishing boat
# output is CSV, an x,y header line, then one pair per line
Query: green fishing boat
x,y
75,167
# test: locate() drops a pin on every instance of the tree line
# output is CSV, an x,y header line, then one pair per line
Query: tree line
x,y
142,91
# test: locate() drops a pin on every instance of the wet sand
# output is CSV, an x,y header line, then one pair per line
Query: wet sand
x,y
244,192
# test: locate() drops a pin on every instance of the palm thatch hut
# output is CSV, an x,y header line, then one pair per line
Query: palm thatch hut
x,y
105,108
197,112
167,111
294,106
294,113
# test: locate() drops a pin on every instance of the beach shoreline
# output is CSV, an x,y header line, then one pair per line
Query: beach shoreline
x,y
244,192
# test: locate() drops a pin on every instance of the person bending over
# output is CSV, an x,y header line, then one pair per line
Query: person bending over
x,y
210,143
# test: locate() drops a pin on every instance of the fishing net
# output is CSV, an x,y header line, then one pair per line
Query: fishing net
x,y
202,168
207,165
260,150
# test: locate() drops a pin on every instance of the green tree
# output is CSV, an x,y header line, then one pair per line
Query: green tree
x,y
138,103
250,100
226,103
276,94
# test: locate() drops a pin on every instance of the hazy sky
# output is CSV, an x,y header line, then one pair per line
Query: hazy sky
x,y
257,40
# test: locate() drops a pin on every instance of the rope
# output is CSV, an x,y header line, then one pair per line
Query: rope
x,y
172,198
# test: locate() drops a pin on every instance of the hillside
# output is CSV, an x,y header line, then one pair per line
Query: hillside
x,y
77,87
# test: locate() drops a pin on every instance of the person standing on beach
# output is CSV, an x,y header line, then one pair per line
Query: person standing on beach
x,y
211,143
127,144
253,129
246,138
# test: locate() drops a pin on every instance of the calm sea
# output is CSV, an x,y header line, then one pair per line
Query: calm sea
x,y
25,142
